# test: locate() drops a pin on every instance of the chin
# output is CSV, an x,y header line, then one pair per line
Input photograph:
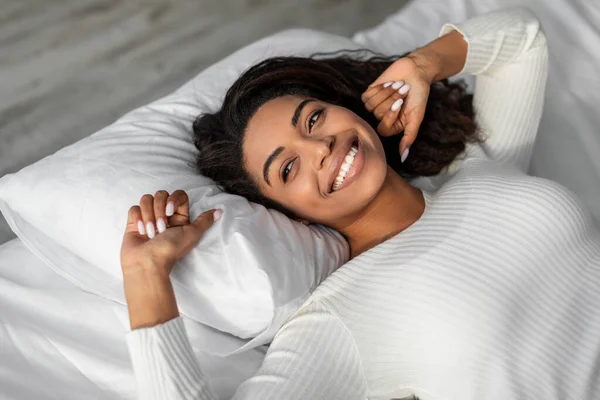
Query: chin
x,y
364,188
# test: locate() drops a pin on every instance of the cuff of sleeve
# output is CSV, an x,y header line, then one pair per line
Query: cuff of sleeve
x,y
142,342
490,36
479,50
164,362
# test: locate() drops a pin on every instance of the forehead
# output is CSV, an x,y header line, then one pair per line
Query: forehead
x,y
273,115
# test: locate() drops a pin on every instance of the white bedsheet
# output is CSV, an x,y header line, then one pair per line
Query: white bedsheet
x,y
58,342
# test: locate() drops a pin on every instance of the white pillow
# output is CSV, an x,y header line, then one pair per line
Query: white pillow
x,y
252,269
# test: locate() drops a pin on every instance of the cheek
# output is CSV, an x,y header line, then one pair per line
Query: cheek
x,y
305,191
302,196
373,137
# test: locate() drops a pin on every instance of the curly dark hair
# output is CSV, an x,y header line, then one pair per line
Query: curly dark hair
x,y
338,78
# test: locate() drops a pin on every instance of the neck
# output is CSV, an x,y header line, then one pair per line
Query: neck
x,y
396,207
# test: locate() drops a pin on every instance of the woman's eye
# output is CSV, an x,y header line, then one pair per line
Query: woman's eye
x,y
287,170
313,119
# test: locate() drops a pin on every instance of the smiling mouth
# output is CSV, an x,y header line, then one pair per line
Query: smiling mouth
x,y
345,167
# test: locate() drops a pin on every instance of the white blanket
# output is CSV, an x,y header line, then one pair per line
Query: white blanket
x,y
59,342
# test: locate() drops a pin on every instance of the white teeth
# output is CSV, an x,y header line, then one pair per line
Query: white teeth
x,y
345,168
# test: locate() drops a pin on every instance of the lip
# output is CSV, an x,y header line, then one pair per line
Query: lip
x,y
356,169
337,162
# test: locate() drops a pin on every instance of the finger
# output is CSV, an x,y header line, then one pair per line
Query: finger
x,y
205,220
147,208
404,89
193,232
134,221
177,209
390,123
373,90
160,209
411,129
379,98
382,79
394,101
135,233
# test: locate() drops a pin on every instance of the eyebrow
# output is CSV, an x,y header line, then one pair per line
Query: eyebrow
x,y
278,150
269,161
299,111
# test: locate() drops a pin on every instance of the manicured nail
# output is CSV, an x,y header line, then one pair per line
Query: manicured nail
x,y
141,229
397,85
404,155
397,104
404,89
217,214
161,225
170,210
387,84
150,230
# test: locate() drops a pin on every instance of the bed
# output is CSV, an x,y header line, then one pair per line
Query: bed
x,y
58,341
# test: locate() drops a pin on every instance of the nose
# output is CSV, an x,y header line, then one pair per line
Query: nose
x,y
320,148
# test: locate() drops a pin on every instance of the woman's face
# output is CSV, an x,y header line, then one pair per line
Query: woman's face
x,y
321,161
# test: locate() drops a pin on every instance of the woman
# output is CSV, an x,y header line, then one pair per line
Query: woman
x,y
477,282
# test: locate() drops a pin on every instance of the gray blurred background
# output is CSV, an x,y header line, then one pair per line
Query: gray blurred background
x,y
70,67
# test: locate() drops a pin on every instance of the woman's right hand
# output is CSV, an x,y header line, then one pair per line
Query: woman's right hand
x,y
416,86
159,232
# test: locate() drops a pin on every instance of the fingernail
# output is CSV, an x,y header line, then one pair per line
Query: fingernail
x,y
387,84
397,104
397,85
217,214
141,229
170,210
150,230
404,89
161,225
404,155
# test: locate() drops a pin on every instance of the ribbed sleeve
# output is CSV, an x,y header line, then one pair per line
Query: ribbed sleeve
x,y
507,52
164,363
312,357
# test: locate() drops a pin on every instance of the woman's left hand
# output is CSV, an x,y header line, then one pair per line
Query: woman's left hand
x,y
416,83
